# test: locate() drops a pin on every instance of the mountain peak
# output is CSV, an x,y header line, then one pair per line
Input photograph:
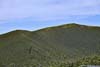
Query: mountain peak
x,y
71,25
14,33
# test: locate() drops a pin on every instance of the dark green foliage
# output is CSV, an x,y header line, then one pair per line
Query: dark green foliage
x,y
91,60
59,46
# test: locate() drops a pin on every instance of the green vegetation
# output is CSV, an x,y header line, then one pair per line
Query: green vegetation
x,y
90,60
60,46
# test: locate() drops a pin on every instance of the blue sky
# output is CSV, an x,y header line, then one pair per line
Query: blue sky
x,y
37,14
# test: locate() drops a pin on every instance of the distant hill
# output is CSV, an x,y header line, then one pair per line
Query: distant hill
x,y
49,47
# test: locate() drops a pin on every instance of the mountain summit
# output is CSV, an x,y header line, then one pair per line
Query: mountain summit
x,y
49,46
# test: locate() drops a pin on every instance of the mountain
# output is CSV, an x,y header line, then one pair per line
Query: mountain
x,y
49,47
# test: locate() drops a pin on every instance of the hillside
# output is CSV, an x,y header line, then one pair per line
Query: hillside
x,y
49,47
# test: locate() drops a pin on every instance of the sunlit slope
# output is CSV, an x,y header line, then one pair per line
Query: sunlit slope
x,y
50,45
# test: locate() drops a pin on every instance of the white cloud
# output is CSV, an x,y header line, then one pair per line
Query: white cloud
x,y
47,9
